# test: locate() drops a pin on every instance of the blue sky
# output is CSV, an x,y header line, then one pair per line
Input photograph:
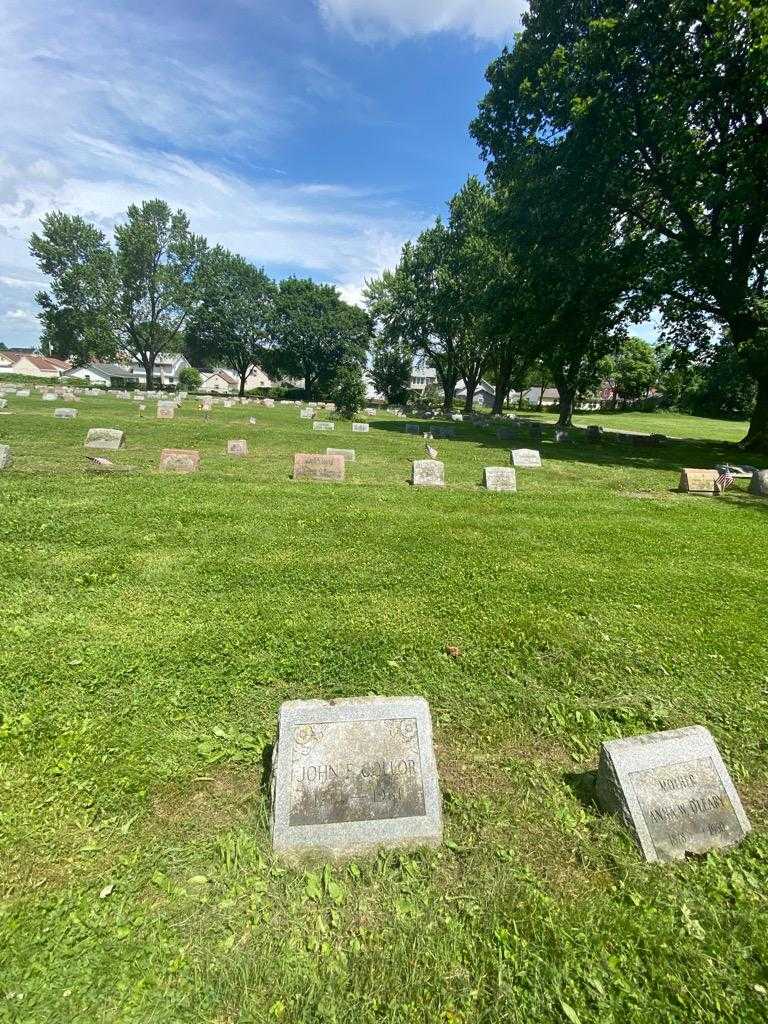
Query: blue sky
x,y
311,136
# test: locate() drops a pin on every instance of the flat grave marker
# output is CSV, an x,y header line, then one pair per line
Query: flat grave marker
x,y
360,428
166,410
352,775
307,414
318,468
323,425
348,454
428,473
698,481
525,458
179,460
105,438
499,478
6,456
64,414
673,791
237,447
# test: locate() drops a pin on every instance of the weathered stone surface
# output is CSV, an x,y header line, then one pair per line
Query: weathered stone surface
x,y
673,791
179,460
23,392
323,425
51,397
166,410
318,468
698,481
525,458
348,454
352,775
269,402
360,428
500,478
759,483
105,438
428,473
457,417
6,458
307,414
237,447
64,414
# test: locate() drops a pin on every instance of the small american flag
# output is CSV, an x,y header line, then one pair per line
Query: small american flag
x,y
725,478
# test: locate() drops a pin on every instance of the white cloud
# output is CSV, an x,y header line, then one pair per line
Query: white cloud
x,y
375,20
103,109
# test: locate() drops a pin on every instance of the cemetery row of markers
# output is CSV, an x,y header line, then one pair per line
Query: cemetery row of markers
x,y
353,775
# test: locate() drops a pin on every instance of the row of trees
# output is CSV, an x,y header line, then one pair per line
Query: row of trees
x,y
627,171
161,288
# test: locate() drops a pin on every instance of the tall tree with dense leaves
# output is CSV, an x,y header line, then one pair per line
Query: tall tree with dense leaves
x,y
669,98
233,320
313,333
158,264
392,352
78,310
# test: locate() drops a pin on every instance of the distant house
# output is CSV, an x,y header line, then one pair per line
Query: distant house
x,y
533,397
484,394
168,366
29,364
225,381
106,375
422,376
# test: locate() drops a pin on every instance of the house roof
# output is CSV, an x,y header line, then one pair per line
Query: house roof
x,y
41,362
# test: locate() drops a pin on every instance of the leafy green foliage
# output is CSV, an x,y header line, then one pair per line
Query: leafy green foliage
x,y
348,390
190,379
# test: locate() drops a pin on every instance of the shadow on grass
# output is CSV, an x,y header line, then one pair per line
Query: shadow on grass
x,y
582,785
266,770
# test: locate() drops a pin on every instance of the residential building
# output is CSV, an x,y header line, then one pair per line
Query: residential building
x,y
483,397
31,364
106,375
168,366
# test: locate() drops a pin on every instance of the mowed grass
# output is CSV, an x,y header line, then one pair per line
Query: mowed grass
x,y
152,624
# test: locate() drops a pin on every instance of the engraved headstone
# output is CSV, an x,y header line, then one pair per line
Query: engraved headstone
x,y
323,425
23,393
318,468
457,417
64,414
698,481
428,473
352,775
269,402
237,447
179,460
759,484
499,478
348,454
105,438
307,414
6,458
166,410
673,791
360,428
51,397
525,458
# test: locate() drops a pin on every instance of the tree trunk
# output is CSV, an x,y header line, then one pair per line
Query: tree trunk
x,y
149,372
757,437
541,396
449,391
243,379
567,403
469,400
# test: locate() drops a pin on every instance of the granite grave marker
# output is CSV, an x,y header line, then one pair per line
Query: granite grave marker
x,y
525,458
427,473
499,478
318,468
105,438
179,460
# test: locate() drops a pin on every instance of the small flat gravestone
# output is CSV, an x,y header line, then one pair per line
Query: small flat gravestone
x,y
323,425
499,478
759,483
360,428
443,432
166,410
64,414
673,791
268,403
428,473
412,428
50,397
105,439
237,447
179,460
307,414
318,468
525,458
698,481
348,454
352,775
6,458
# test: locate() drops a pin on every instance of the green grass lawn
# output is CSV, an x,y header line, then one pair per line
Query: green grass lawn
x,y
152,624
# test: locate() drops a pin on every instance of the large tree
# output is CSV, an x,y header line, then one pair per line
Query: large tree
x,y
233,321
78,312
313,333
136,297
669,99
158,265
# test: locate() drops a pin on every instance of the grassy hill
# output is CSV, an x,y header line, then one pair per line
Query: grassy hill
x,y
152,625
